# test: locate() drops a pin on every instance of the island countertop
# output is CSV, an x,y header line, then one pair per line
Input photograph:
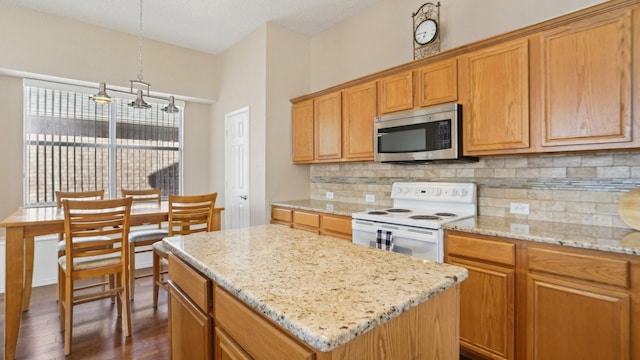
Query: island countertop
x,y
323,290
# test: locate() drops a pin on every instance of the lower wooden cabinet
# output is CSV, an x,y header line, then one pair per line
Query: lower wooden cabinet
x,y
227,349
534,301
186,316
570,320
579,305
324,224
487,297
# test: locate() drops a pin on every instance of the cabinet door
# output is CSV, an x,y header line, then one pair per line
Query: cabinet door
x,y
328,126
281,216
585,83
190,329
306,221
487,301
437,83
568,320
302,130
494,90
358,111
395,92
336,225
227,349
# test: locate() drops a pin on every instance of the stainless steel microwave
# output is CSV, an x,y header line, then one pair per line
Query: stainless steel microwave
x,y
431,134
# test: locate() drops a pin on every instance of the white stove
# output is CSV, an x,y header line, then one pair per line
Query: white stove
x,y
413,225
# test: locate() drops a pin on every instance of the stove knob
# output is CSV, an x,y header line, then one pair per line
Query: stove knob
x,y
464,192
454,192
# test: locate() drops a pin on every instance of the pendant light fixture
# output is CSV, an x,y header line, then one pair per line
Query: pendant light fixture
x,y
138,86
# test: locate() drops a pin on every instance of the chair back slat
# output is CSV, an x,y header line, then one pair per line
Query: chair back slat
x,y
78,195
191,213
143,196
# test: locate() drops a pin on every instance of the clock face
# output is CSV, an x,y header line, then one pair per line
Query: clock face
x,y
426,32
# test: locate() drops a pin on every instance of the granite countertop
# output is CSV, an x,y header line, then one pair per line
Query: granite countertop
x,y
328,207
604,238
324,290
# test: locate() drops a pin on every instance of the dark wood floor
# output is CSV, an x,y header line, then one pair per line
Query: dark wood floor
x,y
97,333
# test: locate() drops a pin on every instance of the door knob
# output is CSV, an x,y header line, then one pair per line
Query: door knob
x,y
243,197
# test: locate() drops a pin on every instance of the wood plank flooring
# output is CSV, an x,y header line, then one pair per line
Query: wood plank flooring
x,y
97,332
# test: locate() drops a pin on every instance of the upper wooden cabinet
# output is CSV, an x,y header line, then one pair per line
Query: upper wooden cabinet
x,y
358,111
437,83
494,92
566,84
327,114
583,82
302,131
395,92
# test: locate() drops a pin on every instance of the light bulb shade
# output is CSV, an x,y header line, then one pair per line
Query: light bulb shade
x,y
139,103
171,108
101,97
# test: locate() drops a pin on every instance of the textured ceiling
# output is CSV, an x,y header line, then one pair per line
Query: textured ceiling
x,y
211,26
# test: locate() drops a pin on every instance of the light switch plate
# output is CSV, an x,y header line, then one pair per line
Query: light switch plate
x,y
329,195
370,198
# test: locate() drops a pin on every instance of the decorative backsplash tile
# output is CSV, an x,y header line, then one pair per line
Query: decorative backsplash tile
x,y
570,188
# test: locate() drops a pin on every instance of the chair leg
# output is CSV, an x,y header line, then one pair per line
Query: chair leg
x,y
126,305
68,314
132,269
156,277
61,294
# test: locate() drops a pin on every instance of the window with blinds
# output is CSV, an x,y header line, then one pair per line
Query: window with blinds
x,y
74,144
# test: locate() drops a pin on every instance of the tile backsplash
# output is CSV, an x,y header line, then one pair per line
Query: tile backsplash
x,y
573,188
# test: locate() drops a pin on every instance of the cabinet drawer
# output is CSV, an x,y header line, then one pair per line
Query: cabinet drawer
x,y
486,250
281,215
306,220
584,267
194,285
256,335
336,225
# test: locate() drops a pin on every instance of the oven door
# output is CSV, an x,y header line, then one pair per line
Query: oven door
x,y
419,242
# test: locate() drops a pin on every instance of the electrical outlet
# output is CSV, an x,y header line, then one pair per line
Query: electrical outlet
x,y
370,198
520,208
519,228
329,195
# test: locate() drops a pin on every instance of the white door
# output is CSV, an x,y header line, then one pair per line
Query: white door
x,y
236,164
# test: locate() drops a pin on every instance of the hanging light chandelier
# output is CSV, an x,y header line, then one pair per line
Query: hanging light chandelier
x,y
138,86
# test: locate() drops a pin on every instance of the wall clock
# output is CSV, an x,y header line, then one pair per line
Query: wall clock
x,y
426,30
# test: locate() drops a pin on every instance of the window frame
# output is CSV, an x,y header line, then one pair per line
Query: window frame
x,y
121,94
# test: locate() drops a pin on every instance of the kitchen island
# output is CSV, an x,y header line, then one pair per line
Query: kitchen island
x,y
327,297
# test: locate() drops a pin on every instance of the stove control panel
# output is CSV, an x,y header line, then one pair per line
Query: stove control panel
x,y
446,192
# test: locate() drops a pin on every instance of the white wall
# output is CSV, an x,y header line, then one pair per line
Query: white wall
x,y
381,36
242,77
288,65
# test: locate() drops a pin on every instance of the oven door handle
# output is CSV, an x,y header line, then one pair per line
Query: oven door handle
x,y
425,235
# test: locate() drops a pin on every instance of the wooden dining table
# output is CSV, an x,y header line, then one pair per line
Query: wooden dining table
x,y
21,229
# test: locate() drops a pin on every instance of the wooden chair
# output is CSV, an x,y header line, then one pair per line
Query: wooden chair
x,y
140,240
103,226
61,245
187,214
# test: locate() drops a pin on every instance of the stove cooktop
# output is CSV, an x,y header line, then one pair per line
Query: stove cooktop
x,y
432,219
426,205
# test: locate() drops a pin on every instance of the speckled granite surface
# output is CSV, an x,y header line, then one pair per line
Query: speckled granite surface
x,y
604,238
328,207
324,290
618,240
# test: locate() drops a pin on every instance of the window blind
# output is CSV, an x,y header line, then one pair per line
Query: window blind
x,y
74,144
